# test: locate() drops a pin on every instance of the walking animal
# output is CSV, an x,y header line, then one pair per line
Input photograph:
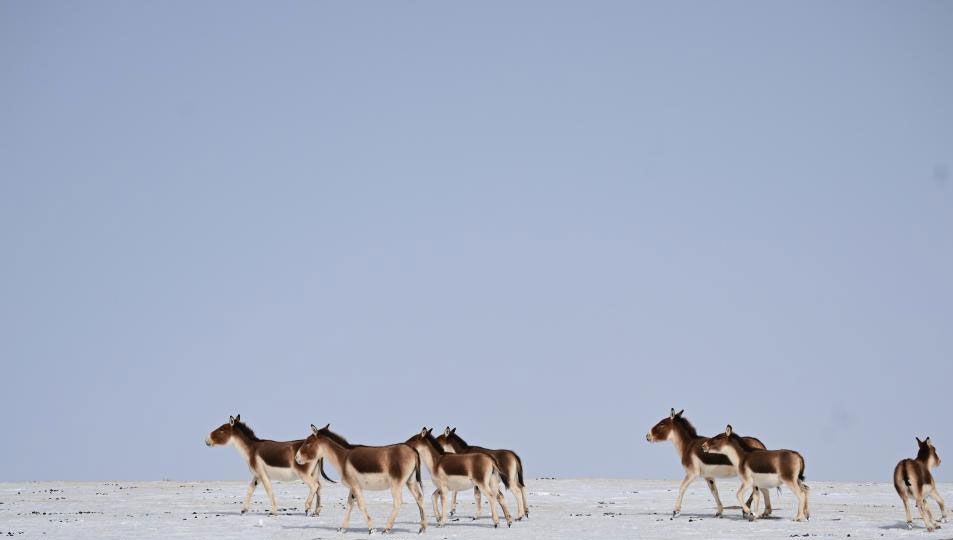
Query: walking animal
x,y
697,462
764,469
456,472
269,460
371,468
912,479
511,467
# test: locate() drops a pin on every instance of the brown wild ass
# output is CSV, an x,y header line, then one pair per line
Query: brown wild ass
x,y
510,465
696,461
268,460
456,472
764,469
371,468
912,479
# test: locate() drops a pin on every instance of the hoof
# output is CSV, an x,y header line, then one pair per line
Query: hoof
x,y
749,516
341,530
909,524
675,513
474,518
244,510
718,514
496,525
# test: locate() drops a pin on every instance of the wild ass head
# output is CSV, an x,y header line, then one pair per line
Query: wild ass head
x,y
223,434
424,441
312,448
663,430
927,453
449,441
720,444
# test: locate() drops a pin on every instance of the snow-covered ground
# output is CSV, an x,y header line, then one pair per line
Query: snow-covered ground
x,y
570,509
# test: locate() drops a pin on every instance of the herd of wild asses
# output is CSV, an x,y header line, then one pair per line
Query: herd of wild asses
x,y
729,454
456,466
453,464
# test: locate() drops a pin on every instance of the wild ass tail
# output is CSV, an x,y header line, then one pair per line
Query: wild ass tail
x,y
323,474
499,470
417,471
800,477
906,477
519,470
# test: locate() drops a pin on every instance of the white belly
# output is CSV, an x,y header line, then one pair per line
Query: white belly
x,y
373,481
458,483
718,471
763,480
280,473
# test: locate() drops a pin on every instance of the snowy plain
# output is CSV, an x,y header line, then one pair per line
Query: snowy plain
x,y
559,509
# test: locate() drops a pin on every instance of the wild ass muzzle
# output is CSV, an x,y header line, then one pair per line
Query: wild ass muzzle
x,y
456,472
370,468
912,479
695,461
269,460
511,469
764,469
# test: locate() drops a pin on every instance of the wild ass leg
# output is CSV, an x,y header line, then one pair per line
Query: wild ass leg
x,y
347,513
271,494
443,505
251,489
414,488
396,493
436,507
795,487
689,478
453,504
756,502
939,500
506,513
522,496
925,512
745,509
767,502
714,493
359,495
906,507
479,502
493,515
314,492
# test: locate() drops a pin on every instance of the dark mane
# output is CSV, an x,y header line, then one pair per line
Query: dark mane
x,y
923,453
433,442
742,442
243,428
687,426
341,441
458,439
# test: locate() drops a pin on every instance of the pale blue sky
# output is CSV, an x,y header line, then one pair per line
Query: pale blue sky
x,y
542,222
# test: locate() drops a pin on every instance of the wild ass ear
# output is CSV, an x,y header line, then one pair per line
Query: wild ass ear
x,y
927,441
728,430
672,413
423,431
679,413
327,426
919,441
314,429
430,431
452,431
233,419
446,432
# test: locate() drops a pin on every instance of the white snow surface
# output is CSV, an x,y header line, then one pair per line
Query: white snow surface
x,y
570,509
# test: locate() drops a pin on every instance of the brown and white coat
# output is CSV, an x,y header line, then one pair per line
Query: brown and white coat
x,y
371,468
912,479
456,472
764,469
696,462
511,470
268,460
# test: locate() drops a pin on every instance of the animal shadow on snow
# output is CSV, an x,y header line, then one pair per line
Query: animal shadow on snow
x,y
903,525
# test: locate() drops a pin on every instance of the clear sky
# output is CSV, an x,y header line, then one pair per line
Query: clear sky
x,y
545,223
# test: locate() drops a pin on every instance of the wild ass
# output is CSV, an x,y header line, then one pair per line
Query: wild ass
x,y
456,472
511,467
372,468
268,460
697,462
912,478
764,469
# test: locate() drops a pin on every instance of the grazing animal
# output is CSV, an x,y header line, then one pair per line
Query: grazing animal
x,y
762,469
371,468
912,479
510,464
695,461
269,460
456,472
